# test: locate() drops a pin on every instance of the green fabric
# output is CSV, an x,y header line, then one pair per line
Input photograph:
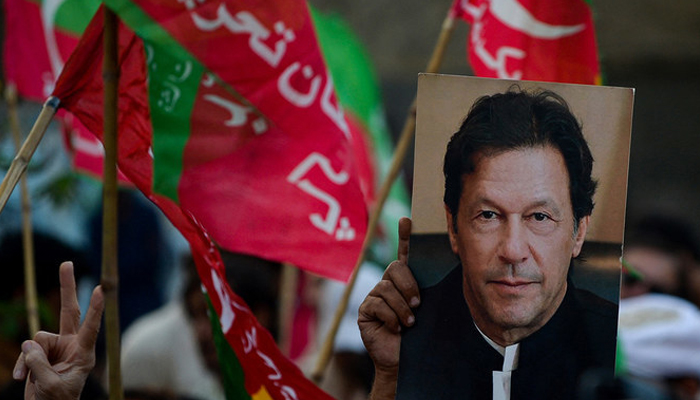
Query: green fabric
x,y
232,372
73,16
167,62
620,362
169,77
353,77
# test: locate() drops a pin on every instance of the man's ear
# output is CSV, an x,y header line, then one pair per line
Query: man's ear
x,y
451,230
580,235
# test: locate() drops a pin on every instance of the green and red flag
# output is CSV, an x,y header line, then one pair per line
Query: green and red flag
x,y
273,169
291,176
544,40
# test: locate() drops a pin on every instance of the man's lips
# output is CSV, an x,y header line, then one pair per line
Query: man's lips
x,y
513,286
510,282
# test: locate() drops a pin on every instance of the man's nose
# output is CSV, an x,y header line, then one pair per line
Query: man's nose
x,y
514,247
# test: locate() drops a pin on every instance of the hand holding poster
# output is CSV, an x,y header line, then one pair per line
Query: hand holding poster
x,y
503,300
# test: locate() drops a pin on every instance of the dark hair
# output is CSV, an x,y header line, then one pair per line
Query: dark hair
x,y
516,120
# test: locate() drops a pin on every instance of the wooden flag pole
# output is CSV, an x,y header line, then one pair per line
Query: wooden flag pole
x,y
402,147
31,297
288,295
110,272
21,160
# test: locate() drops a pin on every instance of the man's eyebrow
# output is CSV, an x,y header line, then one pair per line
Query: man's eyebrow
x,y
483,201
546,203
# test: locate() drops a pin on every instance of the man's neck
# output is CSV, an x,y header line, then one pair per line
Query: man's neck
x,y
494,345
505,338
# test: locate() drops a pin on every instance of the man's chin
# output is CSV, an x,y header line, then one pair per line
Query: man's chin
x,y
516,317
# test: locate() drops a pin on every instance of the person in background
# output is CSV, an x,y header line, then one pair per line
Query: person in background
x,y
349,374
664,252
659,325
171,351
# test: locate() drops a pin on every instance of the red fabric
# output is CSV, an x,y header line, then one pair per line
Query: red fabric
x,y
80,90
29,67
26,54
247,202
85,149
301,181
552,40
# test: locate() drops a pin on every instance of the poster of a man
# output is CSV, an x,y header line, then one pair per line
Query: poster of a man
x,y
496,304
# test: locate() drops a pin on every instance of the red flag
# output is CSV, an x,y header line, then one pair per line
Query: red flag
x,y
85,150
263,372
296,179
39,37
551,40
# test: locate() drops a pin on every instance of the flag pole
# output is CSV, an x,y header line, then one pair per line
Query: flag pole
x,y
21,160
402,147
31,297
110,274
288,293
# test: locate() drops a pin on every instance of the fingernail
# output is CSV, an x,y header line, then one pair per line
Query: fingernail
x,y
17,374
26,346
411,320
414,301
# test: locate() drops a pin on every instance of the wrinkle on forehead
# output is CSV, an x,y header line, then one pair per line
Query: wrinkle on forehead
x,y
510,179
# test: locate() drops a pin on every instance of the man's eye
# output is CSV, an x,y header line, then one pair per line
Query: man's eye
x,y
540,217
487,215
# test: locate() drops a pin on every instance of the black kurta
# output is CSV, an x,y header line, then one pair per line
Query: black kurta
x,y
444,357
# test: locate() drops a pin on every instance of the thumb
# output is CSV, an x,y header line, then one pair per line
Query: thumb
x,y
37,362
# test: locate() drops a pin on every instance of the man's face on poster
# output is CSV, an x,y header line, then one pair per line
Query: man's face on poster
x,y
514,234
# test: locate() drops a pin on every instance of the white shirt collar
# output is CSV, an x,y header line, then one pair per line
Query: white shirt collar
x,y
502,379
